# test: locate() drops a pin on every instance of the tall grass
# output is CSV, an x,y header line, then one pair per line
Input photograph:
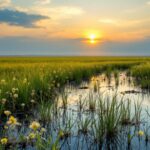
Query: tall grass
x,y
113,116
42,78
142,75
45,111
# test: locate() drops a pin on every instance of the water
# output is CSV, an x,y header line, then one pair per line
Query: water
x,y
124,89
70,118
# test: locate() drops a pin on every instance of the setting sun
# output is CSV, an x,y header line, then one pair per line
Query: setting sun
x,y
92,37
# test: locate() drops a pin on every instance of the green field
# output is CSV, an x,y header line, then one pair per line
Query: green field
x,y
46,75
29,82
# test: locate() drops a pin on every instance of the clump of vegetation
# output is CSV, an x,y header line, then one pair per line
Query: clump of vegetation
x,y
84,125
142,75
126,114
66,131
110,115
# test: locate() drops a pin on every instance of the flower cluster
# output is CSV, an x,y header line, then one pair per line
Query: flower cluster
x,y
4,141
34,125
12,121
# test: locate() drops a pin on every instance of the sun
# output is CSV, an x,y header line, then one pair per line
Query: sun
x,y
92,38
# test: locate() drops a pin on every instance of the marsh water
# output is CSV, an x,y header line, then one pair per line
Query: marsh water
x,y
73,110
122,87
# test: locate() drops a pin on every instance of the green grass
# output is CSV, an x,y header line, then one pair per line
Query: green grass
x,y
48,75
142,75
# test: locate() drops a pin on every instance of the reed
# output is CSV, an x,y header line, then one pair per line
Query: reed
x,y
45,111
84,125
92,102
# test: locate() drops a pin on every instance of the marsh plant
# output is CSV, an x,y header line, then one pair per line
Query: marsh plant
x,y
81,103
110,114
116,76
108,74
55,106
137,112
91,102
96,86
98,131
142,75
64,131
64,97
45,111
126,112
84,125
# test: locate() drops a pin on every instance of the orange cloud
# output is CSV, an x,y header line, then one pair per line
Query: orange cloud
x,y
5,3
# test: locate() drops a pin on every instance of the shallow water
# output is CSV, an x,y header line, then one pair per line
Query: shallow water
x,y
69,119
124,90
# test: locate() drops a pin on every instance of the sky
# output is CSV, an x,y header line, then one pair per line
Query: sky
x,y
75,27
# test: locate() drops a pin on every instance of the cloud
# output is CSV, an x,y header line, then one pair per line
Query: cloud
x,y
108,21
4,3
18,18
43,2
125,23
68,11
60,15
148,3
59,12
